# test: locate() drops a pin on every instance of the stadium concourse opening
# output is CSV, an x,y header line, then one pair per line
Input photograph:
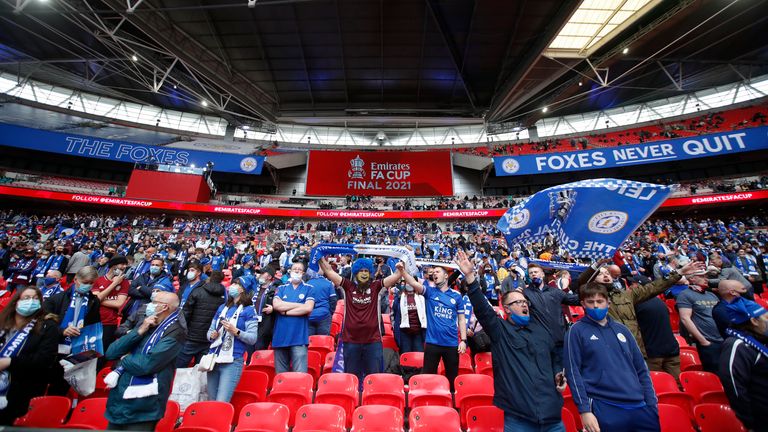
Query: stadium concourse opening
x,y
305,215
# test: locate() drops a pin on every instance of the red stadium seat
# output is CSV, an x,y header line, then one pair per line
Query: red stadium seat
x,y
384,389
88,414
484,363
388,341
251,388
323,344
465,364
570,405
485,419
568,421
697,383
717,418
47,412
101,388
689,361
681,341
339,389
674,419
314,364
292,389
681,400
263,361
412,359
320,417
263,417
663,382
377,418
471,391
577,313
714,397
429,390
210,416
328,364
434,419
171,416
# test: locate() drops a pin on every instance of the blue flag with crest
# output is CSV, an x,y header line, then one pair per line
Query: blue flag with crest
x,y
589,218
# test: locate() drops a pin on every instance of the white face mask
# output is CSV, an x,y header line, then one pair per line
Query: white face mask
x,y
191,275
295,277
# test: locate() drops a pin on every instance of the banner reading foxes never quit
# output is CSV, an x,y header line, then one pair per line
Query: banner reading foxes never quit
x,y
331,173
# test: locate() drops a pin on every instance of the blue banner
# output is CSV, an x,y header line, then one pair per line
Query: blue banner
x,y
100,148
589,219
725,143
90,339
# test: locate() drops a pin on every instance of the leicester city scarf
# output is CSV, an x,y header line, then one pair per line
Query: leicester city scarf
x,y
11,349
399,252
74,317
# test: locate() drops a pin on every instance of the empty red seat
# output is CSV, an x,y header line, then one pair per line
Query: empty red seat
x,y
689,361
429,390
264,361
674,419
328,364
471,391
339,389
210,416
717,418
292,389
384,389
663,382
171,416
412,359
465,364
715,397
322,344
568,421
681,400
88,414
101,388
314,365
263,417
484,363
377,418
251,388
45,412
320,417
697,383
434,419
485,419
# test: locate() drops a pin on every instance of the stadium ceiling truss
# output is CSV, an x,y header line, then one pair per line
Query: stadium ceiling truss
x,y
146,45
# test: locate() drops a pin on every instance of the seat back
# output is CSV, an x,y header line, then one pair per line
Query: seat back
x,y
434,419
673,419
314,364
209,414
266,416
663,382
428,382
429,390
485,419
484,363
696,383
254,381
717,418
320,417
45,412
465,364
412,359
689,361
681,400
323,344
171,416
384,389
377,418
471,391
339,389
264,361
292,389
88,414
328,364
568,421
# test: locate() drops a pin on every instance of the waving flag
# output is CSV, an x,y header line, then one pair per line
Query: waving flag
x,y
589,218
67,233
398,252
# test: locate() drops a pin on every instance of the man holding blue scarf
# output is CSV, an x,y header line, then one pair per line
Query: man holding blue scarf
x,y
141,384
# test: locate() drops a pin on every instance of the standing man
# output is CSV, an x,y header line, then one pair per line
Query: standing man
x,y
147,354
609,379
445,320
527,385
112,292
78,260
263,297
293,302
325,304
695,306
729,291
361,333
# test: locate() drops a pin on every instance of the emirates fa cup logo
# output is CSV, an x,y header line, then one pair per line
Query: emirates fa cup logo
x,y
357,171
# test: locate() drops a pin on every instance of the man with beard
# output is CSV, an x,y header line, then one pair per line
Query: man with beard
x,y
361,333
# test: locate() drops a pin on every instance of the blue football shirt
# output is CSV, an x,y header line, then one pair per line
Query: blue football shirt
x,y
292,330
443,310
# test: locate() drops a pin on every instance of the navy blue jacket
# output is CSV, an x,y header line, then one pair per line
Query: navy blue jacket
x,y
547,309
605,363
523,367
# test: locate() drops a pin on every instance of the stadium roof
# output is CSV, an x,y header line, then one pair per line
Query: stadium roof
x,y
339,61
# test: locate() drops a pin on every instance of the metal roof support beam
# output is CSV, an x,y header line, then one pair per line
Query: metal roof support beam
x,y
678,84
157,84
20,5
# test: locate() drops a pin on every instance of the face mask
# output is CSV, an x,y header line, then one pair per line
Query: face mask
x,y
117,272
191,275
58,252
295,277
409,288
154,270
27,307
521,320
234,292
262,281
151,309
173,256
84,288
49,281
597,314
536,281
109,254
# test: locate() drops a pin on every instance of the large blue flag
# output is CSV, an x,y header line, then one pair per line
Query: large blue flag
x,y
589,218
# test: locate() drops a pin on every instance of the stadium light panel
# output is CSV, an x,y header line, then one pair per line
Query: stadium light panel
x,y
594,23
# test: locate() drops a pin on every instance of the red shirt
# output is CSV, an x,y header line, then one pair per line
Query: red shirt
x,y
361,320
108,314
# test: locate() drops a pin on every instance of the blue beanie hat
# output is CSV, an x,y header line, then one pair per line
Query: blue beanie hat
x,y
741,310
362,264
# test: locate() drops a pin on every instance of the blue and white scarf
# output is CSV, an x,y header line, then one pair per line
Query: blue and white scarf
x,y
749,270
51,291
73,317
749,340
10,350
143,386
224,345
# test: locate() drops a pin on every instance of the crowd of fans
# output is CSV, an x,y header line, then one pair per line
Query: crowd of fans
x,y
174,292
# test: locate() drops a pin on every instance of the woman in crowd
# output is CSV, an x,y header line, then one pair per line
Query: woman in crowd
x,y
234,327
29,340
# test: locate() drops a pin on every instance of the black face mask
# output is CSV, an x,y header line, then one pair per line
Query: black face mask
x,y
109,254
